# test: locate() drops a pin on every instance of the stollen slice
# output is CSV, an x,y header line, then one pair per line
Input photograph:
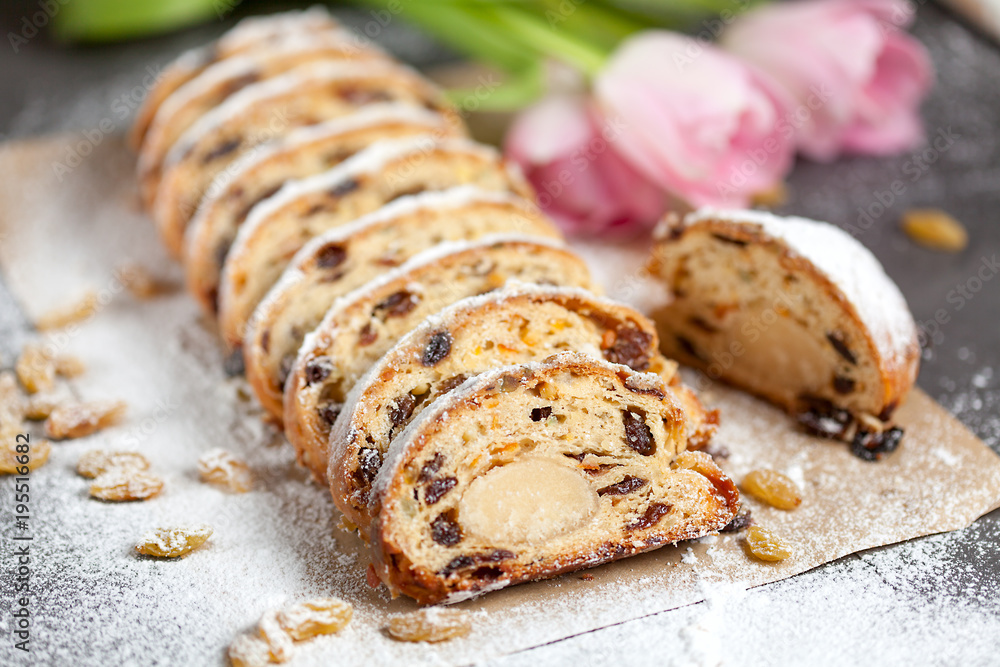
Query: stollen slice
x,y
478,494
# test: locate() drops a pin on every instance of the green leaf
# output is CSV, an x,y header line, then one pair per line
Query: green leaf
x,y
110,20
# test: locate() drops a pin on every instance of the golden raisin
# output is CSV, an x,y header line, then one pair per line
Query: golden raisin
x,y
249,651
71,314
96,462
772,488
772,197
224,470
12,405
82,419
36,456
765,545
68,366
39,407
935,229
36,368
140,282
429,625
279,642
125,484
173,542
311,618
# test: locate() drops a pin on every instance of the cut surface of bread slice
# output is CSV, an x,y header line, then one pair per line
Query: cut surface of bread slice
x,y
359,329
302,210
248,34
795,311
345,258
264,111
478,494
223,79
303,152
517,324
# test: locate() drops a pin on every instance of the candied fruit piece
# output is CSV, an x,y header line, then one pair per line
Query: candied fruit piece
x,y
37,454
935,229
36,368
772,488
429,625
249,651
222,469
71,314
124,484
173,542
279,642
68,366
312,618
82,419
96,462
765,545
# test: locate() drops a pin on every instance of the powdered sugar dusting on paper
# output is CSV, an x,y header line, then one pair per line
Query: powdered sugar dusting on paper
x,y
96,603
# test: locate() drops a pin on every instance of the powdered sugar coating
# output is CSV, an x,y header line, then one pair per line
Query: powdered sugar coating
x,y
275,87
454,198
255,29
321,334
369,161
224,71
848,264
366,117
447,319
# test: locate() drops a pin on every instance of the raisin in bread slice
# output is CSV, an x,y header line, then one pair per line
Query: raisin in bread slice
x,y
518,324
795,311
250,33
220,81
345,258
362,326
261,112
480,493
303,152
301,210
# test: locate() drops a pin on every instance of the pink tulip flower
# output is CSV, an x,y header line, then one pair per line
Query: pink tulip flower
x,y
857,79
695,120
569,154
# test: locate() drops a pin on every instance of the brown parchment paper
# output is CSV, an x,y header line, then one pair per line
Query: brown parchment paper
x,y
67,222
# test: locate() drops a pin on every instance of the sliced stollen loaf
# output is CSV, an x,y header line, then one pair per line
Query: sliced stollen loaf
x,y
795,311
362,326
301,210
248,34
517,324
303,152
478,493
264,111
345,258
225,78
